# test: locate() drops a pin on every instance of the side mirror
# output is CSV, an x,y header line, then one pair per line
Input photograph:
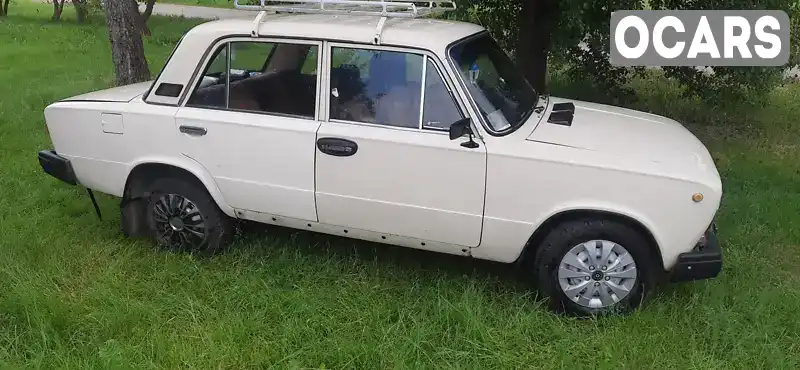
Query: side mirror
x,y
461,127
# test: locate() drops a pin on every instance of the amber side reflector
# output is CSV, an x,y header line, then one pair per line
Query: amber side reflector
x,y
697,197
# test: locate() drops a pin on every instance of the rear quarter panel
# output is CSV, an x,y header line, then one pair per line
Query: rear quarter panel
x,y
102,160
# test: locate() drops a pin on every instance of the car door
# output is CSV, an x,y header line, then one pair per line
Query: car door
x,y
385,162
251,121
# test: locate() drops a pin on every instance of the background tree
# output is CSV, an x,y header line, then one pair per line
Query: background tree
x,y
81,9
3,8
728,84
58,8
572,37
127,48
144,16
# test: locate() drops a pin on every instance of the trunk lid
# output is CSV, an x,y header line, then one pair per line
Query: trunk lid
x,y
115,94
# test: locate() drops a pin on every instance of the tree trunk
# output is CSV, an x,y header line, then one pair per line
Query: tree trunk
x,y
3,7
148,9
536,21
58,8
81,10
127,49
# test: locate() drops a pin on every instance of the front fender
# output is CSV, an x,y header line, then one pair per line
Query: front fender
x,y
605,207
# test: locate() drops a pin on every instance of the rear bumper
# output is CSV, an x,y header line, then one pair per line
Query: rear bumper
x,y
702,262
57,166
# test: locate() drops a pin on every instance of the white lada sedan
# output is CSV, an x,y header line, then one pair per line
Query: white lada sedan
x,y
400,130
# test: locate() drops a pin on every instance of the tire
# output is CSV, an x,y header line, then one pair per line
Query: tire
x,y
586,282
198,214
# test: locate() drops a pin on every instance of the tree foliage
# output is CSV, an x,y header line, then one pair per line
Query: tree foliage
x,y
578,43
728,84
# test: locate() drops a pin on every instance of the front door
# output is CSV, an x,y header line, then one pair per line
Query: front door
x,y
251,122
385,162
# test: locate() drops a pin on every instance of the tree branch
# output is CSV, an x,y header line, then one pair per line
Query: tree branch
x,y
148,9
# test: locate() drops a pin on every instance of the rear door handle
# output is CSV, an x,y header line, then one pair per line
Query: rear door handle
x,y
337,147
193,130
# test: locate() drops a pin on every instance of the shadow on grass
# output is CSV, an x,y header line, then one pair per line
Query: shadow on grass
x,y
320,246
492,278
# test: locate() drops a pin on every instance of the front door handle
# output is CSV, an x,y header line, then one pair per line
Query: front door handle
x,y
337,147
193,130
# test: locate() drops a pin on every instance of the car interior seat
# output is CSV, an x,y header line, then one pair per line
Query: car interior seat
x,y
396,99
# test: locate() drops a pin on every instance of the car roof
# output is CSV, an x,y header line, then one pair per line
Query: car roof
x,y
424,33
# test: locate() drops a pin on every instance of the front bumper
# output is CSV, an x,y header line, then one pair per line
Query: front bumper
x,y
702,262
57,166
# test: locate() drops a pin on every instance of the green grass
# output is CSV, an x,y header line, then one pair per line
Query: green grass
x,y
76,294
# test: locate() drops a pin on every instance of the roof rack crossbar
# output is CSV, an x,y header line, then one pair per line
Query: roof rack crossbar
x,y
384,8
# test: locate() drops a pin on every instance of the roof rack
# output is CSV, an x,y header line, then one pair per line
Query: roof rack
x,y
384,8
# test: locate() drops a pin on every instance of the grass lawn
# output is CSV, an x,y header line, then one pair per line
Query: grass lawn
x,y
74,293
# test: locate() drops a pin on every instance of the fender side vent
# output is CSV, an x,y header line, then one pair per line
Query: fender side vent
x,y
562,114
563,118
558,107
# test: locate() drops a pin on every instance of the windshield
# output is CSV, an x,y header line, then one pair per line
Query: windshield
x,y
501,92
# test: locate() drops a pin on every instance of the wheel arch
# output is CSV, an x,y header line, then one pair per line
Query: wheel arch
x,y
144,172
535,240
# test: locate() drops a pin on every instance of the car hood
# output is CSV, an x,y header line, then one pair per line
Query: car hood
x,y
631,136
124,93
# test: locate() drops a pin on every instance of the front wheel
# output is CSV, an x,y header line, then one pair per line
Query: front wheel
x,y
592,267
183,217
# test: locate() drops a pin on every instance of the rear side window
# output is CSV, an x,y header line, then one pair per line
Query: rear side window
x,y
264,77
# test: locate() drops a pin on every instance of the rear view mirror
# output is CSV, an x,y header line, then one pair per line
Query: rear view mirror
x,y
460,128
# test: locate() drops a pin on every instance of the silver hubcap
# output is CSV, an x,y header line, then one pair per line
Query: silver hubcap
x,y
597,273
179,223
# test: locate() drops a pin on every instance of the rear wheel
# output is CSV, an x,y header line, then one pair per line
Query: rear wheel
x,y
183,217
594,266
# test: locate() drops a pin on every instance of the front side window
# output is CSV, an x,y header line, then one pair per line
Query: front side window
x,y
373,86
389,88
279,78
502,93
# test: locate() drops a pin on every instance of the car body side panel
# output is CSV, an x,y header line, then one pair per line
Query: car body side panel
x,y
261,162
102,161
402,182
524,191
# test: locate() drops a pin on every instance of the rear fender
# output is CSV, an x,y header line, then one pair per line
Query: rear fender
x,y
195,169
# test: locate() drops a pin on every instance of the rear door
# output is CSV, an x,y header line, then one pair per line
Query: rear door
x,y
385,162
251,121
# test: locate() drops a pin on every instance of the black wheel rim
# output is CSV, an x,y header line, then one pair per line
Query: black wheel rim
x,y
178,222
